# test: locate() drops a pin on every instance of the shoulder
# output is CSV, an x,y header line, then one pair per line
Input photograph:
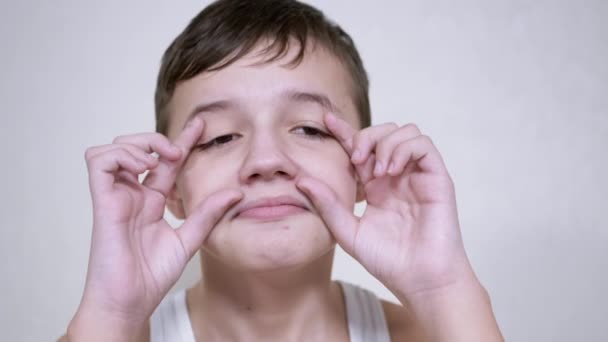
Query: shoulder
x,y
401,323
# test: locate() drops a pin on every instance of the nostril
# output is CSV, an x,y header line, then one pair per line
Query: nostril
x,y
260,176
255,176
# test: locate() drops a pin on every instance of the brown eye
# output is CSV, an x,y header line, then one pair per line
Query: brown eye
x,y
219,141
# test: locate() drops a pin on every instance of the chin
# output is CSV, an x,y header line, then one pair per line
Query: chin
x,y
256,245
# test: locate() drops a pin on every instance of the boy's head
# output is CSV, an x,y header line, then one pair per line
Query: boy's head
x,y
227,30
262,74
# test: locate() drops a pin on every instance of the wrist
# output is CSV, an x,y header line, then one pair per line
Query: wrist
x,y
94,325
436,297
458,312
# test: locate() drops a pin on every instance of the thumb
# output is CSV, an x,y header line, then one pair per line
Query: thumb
x,y
341,221
201,221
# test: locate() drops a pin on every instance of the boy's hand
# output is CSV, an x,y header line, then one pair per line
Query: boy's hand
x,y
136,256
409,236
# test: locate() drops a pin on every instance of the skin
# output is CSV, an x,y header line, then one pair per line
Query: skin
x,y
261,266
269,152
272,278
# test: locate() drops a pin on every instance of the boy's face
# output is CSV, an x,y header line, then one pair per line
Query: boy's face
x,y
266,115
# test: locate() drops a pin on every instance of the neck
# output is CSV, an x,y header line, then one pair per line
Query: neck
x,y
298,303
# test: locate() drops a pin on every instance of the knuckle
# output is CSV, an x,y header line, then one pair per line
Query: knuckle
x,y
90,152
412,127
87,153
119,139
92,162
426,138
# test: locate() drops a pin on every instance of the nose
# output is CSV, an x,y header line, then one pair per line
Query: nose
x,y
266,161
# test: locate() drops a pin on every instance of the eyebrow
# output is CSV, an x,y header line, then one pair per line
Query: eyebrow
x,y
290,94
318,98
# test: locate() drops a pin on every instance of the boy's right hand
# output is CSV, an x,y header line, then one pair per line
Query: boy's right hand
x,y
136,256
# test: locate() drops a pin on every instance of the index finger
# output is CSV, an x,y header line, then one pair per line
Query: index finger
x,y
162,177
343,131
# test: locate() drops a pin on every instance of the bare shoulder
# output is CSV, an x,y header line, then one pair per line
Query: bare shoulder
x,y
401,323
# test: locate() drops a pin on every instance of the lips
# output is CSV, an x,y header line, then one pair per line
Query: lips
x,y
271,208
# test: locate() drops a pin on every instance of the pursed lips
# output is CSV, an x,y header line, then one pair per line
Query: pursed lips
x,y
269,207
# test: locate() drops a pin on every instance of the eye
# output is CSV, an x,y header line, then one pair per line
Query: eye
x,y
218,142
312,132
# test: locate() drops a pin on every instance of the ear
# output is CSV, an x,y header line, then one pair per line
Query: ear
x,y
175,203
360,192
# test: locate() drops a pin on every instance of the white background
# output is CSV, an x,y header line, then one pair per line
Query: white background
x,y
513,93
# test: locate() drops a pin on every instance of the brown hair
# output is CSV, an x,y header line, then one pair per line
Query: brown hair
x,y
227,30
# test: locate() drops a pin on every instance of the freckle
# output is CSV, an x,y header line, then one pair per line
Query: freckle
x,y
285,227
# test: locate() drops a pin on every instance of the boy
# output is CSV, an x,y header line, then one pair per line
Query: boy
x,y
264,146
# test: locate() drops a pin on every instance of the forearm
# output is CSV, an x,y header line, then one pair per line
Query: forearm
x,y
461,312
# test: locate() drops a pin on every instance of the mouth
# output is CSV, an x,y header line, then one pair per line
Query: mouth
x,y
271,208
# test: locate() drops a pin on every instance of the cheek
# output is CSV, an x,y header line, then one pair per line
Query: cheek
x,y
199,180
333,167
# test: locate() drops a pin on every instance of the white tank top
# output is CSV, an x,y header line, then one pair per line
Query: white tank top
x,y
366,322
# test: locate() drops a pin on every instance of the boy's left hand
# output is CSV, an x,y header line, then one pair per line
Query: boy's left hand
x,y
409,236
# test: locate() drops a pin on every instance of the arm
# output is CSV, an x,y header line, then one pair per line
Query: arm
x,y
136,256
92,329
462,312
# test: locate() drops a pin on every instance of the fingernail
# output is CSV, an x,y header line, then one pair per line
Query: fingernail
x,y
391,167
357,156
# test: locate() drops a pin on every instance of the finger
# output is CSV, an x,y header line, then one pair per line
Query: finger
x,y
127,177
342,130
365,141
365,170
163,176
200,222
345,133
151,142
103,166
421,151
386,145
339,220
137,152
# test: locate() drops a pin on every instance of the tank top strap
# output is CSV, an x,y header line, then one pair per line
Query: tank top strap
x,y
365,315
170,321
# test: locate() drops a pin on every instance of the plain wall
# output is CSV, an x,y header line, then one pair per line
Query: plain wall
x,y
513,93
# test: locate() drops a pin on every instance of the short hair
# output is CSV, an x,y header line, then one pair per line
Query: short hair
x,y
227,30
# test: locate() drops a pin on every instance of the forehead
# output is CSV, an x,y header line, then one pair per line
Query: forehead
x,y
259,84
